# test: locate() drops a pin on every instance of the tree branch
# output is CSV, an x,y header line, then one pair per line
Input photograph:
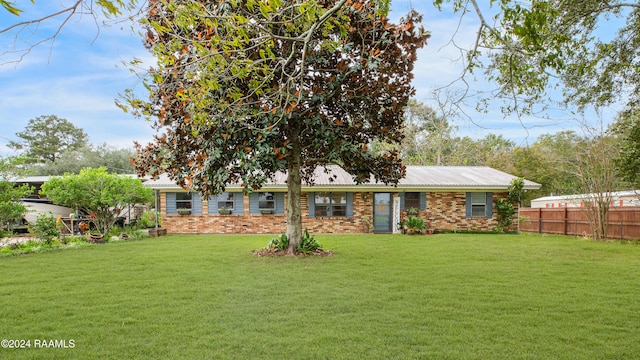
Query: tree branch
x,y
22,26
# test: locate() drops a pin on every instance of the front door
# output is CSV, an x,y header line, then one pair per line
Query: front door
x,y
382,219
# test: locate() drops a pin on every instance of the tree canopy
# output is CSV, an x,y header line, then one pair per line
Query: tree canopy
x,y
627,131
428,135
46,137
244,89
115,160
587,48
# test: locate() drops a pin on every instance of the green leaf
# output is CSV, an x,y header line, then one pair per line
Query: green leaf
x,y
10,8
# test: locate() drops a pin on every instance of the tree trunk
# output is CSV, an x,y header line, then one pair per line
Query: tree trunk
x,y
294,189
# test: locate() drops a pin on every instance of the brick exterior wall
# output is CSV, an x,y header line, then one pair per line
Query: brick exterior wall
x,y
445,211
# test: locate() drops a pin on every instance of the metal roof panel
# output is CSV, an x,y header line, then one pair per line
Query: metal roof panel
x,y
425,177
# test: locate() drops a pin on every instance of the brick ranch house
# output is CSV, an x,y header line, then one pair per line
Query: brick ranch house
x,y
447,197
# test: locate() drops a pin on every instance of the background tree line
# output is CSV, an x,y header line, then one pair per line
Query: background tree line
x,y
566,162
54,146
50,145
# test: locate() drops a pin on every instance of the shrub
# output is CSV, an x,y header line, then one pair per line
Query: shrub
x,y
148,219
308,244
505,214
415,223
126,233
27,247
75,240
505,207
45,229
279,244
5,233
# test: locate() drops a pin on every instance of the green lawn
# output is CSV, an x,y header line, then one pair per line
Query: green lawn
x,y
447,296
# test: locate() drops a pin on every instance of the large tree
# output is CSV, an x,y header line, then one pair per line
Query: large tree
x,y
557,158
429,134
46,137
245,89
589,48
595,170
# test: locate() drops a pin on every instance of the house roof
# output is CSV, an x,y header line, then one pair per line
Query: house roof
x,y
626,193
418,178
44,178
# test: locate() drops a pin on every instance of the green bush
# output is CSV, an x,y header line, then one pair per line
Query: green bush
x,y
5,233
505,212
148,219
279,244
23,248
126,233
415,223
505,207
45,229
308,244
75,240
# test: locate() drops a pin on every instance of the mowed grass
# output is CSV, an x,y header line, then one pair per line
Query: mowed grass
x,y
448,296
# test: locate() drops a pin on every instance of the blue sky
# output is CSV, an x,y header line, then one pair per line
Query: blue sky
x,y
80,75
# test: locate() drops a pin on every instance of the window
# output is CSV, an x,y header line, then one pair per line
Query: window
x,y
183,200
330,204
226,203
266,201
412,200
225,200
183,203
478,204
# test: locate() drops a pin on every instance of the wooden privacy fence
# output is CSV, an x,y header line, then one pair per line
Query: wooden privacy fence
x,y
624,222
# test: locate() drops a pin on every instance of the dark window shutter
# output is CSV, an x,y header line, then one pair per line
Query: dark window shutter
x,y
196,203
423,201
213,204
489,205
171,203
468,205
349,204
238,203
312,204
279,203
254,203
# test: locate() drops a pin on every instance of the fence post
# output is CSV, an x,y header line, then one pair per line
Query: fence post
x,y
565,220
539,220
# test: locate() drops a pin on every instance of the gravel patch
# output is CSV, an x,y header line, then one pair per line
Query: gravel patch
x,y
15,240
